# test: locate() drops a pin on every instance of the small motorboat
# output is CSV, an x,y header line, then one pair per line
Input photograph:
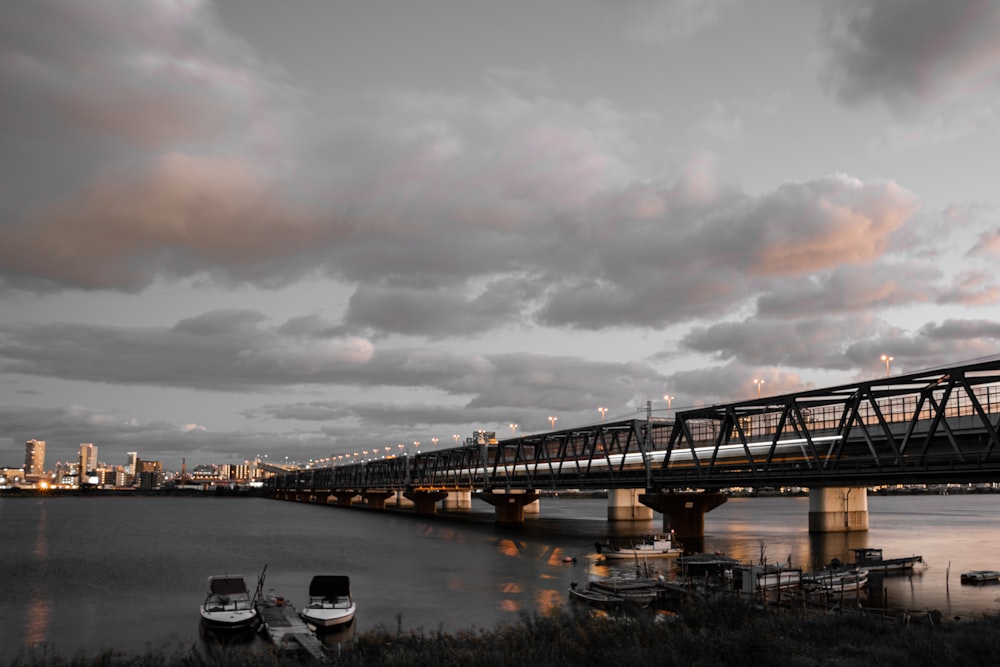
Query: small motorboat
x,y
981,577
330,601
228,605
651,546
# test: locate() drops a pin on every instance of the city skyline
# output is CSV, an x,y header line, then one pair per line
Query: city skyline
x,y
245,227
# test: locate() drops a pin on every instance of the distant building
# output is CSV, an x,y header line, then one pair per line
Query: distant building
x,y
149,474
87,461
11,477
34,458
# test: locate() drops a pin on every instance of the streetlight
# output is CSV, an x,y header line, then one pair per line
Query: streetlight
x,y
603,412
456,436
758,383
434,441
886,358
669,399
513,428
552,422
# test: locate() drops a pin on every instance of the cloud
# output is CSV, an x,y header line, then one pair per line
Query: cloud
x,y
909,53
817,342
234,350
655,22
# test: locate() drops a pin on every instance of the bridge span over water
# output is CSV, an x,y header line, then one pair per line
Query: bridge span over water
x,y
934,426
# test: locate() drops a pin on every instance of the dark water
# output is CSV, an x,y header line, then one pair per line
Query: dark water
x,y
87,574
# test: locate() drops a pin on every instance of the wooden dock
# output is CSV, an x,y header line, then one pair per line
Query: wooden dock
x,y
289,632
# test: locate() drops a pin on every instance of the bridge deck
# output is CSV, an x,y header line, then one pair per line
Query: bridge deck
x,y
939,425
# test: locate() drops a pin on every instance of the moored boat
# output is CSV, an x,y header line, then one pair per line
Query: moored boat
x,y
650,546
871,559
702,565
752,578
330,601
636,592
228,605
837,580
981,577
594,598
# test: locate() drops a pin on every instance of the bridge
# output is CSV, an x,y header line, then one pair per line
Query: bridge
x,y
934,426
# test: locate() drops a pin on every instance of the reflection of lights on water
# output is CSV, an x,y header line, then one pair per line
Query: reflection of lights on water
x,y
510,588
508,547
549,600
510,605
556,557
38,622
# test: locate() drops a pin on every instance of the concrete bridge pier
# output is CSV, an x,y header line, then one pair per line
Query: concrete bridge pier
x,y
838,509
344,498
425,502
375,499
510,505
457,500
624,505
684,513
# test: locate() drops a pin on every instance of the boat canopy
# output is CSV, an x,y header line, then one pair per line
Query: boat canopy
x,y
228,585
329,586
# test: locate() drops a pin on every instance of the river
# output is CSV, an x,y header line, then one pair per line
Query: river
x,y
84,574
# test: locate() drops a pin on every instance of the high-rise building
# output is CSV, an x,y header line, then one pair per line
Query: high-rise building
x,y
130,463
34,458
88,459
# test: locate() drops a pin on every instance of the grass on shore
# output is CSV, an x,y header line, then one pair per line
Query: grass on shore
x,y
703,633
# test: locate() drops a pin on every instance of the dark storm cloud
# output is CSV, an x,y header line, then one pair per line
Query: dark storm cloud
x,y
910,52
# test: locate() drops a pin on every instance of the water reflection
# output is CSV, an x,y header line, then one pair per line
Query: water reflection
x,y
39,608
39,613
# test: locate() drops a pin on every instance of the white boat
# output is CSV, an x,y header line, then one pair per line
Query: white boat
x,y
837,580
752,578
330,601
651,546
228,605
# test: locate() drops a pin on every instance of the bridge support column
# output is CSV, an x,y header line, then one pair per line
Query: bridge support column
x,y
425,502
624,505
684,513
344,498
401,500
838,509
509,506
457,500
376,499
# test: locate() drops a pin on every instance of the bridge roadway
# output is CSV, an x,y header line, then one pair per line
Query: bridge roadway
x,y
934,426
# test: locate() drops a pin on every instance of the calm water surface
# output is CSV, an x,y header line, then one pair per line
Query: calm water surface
x,y
87,574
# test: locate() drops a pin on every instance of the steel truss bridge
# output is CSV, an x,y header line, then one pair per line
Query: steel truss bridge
x,y
934,426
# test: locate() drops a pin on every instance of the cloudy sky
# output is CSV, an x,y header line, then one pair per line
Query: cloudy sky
x,y
315,227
